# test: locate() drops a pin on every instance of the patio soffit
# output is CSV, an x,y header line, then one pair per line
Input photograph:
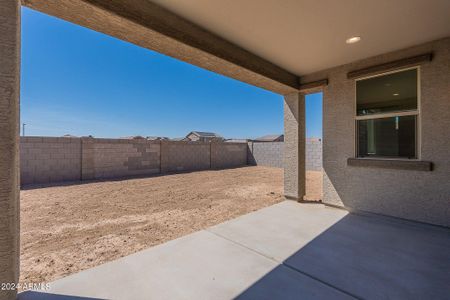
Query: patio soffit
x,y
306,36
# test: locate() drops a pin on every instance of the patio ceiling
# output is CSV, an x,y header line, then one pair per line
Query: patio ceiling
x,y
305,36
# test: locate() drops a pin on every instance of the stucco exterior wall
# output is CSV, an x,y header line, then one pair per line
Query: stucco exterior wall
x,y
294,147
416,195
9,144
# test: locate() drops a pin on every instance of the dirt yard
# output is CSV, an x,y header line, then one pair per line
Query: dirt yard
x,y
69,228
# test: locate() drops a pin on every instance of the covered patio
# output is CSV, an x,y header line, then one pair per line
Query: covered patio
x,y
385,152
285,251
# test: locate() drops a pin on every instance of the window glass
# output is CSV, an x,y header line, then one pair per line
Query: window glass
x,y
387,137
387,93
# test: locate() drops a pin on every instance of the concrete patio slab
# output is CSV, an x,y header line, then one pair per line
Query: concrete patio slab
x,y
198,266
280,230
286,251
286,283
375,257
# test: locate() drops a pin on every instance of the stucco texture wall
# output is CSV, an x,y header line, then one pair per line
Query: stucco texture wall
x,y
294,147
416,195
9,143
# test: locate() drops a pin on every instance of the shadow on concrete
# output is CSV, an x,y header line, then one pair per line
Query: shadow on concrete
x,y
34,295
284,283
367,257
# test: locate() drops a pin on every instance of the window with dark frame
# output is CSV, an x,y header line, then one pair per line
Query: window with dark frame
x,y
387,110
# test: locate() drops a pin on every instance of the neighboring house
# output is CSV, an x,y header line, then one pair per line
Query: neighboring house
x,y
69,136
149,138
179,139
135,137
200,136
157,138
270,138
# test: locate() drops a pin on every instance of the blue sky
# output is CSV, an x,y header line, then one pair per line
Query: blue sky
x,y
81,82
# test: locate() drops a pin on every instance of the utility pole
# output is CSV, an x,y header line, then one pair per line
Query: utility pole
x,y
23,129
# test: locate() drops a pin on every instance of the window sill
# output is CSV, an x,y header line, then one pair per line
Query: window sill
x,y
397,164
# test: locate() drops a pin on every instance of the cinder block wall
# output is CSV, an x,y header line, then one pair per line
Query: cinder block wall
x,y
185,156
52,159
228,155
57,159
271,154
49,159
268,154
110,158
314,154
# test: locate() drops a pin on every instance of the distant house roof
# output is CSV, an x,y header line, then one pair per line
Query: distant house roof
x,y
270,138
135,137
237,140
178,139
69,136
204,134
157,138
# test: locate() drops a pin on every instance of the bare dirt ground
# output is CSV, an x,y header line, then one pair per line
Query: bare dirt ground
x,y
69,228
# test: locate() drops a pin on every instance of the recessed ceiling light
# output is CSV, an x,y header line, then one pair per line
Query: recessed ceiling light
x,y
353,39
396,94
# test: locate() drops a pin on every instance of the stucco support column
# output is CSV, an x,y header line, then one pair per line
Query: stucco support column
x,y
294,146
9,143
